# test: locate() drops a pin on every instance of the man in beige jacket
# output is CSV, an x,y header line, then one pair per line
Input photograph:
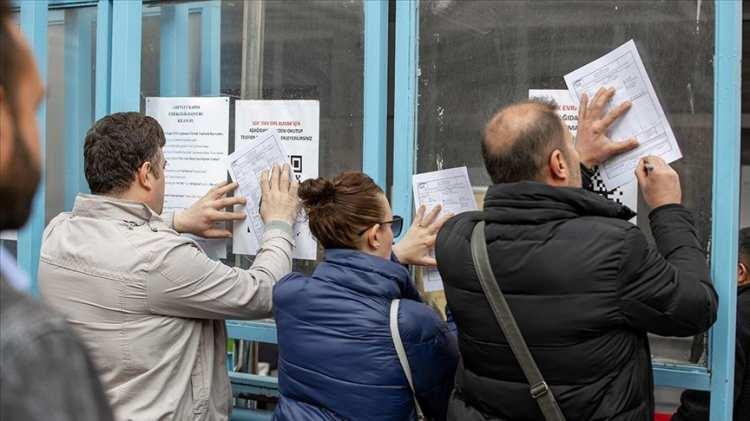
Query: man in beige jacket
x,y
146,300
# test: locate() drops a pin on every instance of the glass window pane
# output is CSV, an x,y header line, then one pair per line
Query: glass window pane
x,y
270,50
70,101
475,57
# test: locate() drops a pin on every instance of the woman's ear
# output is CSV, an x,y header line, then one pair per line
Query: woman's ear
x,y
374,237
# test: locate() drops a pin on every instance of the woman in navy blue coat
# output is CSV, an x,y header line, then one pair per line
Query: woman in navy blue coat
x,y
337,360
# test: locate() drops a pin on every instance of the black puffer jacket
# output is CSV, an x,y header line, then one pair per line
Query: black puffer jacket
x,y
695,405
585,287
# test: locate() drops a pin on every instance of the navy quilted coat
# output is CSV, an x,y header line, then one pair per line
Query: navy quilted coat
x,y
336,357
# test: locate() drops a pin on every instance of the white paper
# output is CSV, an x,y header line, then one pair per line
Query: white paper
x,y
246,165
623,70
197,144
297,126
11,235
567,109
451,189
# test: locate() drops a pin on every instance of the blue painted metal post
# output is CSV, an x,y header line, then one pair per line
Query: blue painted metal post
x,y
405,106
173,63
34,27
725,211
103,58
126,55
375,109
78,108
211,49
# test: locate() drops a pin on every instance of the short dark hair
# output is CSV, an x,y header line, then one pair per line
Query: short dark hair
x,y
744,250
524,148
9,51
116,146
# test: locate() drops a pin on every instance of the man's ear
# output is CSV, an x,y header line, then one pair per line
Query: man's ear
x,y
743,276
144,175
558,166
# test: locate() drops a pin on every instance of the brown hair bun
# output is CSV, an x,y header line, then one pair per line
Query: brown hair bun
x,y
316,192
340,208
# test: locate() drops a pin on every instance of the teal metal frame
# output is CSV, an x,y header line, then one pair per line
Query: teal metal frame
x,y
375,108
726,202
405,106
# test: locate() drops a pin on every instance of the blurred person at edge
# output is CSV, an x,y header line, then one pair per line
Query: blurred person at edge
x,y
337,360
45,370
147,301
584,284
695,405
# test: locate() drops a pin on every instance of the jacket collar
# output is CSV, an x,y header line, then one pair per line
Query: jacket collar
x,y
534,202
367,274
106,207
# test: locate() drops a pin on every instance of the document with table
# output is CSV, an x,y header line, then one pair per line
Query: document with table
x,y
623,70
450,188
246,165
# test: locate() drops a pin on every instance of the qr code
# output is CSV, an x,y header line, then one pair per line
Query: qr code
x,y
600,188
296,163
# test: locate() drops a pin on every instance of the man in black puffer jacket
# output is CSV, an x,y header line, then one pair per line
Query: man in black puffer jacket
x,y
584,284
696,404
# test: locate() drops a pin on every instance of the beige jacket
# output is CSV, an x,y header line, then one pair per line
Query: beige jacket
x,y
150,304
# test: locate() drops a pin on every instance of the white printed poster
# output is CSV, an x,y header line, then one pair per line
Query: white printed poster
x,y
623,70
452,190
567,109
297,127
197,133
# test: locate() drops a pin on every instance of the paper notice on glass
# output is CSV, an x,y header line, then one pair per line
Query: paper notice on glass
x,y
622,69
11,235
567,109
197,144
451,189
297,125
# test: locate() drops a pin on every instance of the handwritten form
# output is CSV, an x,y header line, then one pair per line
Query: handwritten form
x,y
451,189
246,165
623,70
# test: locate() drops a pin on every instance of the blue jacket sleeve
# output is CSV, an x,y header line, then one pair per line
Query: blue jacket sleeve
x,y
433,356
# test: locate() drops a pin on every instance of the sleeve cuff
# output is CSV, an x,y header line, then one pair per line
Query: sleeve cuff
x,y
279,225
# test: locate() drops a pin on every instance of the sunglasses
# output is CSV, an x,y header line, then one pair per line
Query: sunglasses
x,y
397,223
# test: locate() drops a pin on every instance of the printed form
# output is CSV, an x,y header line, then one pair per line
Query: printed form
x,y
246,165
623,70
451,189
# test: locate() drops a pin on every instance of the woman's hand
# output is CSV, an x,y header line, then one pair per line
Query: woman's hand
x,y
417,245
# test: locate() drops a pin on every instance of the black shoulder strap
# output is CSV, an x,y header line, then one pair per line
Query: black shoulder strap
x,y
539,389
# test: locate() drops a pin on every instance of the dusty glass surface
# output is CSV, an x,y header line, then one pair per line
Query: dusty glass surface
x,y
71,50
476,57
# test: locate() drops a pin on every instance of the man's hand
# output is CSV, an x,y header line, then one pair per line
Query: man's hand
x,y
418,243
279,200
659,183
592,142
201,218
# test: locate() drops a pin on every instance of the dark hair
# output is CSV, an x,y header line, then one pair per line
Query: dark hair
x,y
520,151
341,208
9,52
744,250
116,146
